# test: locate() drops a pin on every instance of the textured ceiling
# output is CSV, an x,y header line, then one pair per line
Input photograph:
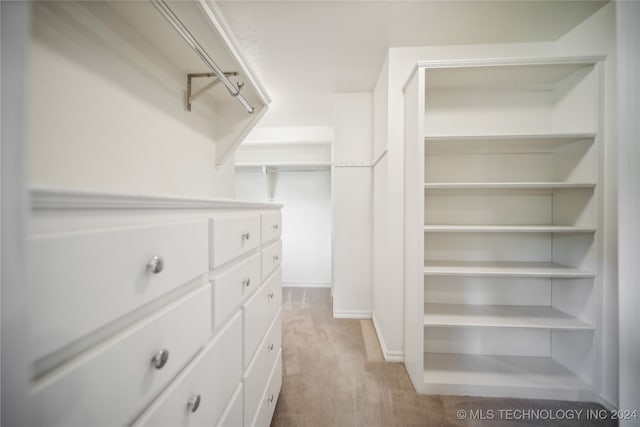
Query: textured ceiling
x,y
304,51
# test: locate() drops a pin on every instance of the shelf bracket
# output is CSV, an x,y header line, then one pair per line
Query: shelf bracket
x,y
192,96
270,181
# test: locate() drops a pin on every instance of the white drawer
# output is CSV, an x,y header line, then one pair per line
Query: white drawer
x,y
81,281
257,375
271,258
232,287
233,415
109,384
258,313
231,236
270,398
201,393
271,224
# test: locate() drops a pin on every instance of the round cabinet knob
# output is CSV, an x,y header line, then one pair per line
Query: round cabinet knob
x,y
246,236
194,403
275,227
270,347
276,258
160,359
156,265
270,399
270,295
247,282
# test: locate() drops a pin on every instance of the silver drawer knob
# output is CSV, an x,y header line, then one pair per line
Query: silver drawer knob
x,y
275,227
156,265
246,236
276,258
270,347
270,295
247,282
160,359
194,403
270,399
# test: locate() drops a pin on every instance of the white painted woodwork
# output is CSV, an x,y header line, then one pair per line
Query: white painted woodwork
x,y
628,66
111,382
271,258
230,288
258,312
233,414
256,377
503,269
271,224
270,398
231,236
107,273
500,316
106,377
502,208
212,375
483,375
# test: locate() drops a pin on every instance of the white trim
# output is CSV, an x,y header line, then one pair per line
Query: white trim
x,y
380,157
306,285
389,355
363,315
52,198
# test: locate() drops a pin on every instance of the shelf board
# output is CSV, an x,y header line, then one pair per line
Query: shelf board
x,y
506,229
506,185
502,143
489,375
500,316
503,269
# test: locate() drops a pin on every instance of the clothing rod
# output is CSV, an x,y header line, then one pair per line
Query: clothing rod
x,y
180,28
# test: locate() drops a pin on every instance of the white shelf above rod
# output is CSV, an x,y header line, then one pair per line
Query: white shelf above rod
x,y
234,89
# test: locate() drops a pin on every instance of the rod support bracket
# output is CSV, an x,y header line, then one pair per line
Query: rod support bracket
x,y
191,96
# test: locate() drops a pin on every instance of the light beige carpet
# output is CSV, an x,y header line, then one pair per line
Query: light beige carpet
x,y
334,375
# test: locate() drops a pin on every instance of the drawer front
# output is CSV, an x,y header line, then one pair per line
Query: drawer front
x,y
108,385
257,376
271,224
232,287
231,236
271,258
259,312
268,404
79,282
233,415
201,393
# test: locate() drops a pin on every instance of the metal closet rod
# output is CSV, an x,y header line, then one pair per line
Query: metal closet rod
x,y
191,41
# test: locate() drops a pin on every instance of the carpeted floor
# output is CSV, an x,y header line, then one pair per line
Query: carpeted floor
x,y
334,375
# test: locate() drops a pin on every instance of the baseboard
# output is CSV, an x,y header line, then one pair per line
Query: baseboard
x,y
351,314
306,285
389,356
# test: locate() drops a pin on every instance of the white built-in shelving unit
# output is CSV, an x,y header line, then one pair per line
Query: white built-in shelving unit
x,y
502,236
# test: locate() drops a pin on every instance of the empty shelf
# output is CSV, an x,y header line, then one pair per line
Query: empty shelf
x,y
498,375
501,316
503,269
507,229
506,185
496,143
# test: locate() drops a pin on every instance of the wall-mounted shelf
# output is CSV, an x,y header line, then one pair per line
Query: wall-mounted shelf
x,y
500,316
507,229
503,269
507,185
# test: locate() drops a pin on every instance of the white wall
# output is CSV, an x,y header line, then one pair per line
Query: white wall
x,y
108,114
306,221
628,36
352,205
